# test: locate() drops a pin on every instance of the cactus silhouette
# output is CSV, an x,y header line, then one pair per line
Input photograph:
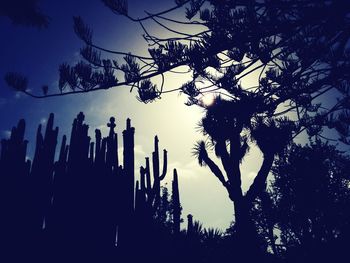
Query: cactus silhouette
x,y
176,206
84,205
14,201
153,190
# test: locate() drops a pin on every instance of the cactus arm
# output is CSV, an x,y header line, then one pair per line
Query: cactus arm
x,y
165,165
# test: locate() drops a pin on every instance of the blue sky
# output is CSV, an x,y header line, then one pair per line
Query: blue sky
x,y
38,53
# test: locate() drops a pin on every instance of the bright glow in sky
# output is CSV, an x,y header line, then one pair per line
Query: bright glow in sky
x,y
37,55
208,99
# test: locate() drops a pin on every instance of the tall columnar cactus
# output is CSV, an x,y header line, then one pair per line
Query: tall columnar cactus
x,y
84,196
127,190
91,154
176,206
42,172
157,177
147,173
79,144
14,195
140,203
13,164
63,150
59,184
98,138
153,191
74,189
138,198
190,226
13,153
129,163
112,146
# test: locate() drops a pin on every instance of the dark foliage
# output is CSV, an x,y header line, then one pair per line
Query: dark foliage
x,y
307,205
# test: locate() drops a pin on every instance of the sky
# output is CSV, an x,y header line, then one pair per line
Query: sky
x,y
38,53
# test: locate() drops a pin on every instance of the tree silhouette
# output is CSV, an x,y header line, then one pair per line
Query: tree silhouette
x,y
230,133
312,197
308,203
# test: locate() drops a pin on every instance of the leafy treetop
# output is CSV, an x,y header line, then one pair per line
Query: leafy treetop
x,y
298,51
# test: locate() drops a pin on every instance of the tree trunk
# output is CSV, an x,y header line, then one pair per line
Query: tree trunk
x,y
246,237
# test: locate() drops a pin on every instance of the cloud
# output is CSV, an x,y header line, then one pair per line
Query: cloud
x,y
188,171
6,134
138,149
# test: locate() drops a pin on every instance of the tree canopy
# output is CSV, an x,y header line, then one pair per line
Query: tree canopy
x,y
307,202
296,51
